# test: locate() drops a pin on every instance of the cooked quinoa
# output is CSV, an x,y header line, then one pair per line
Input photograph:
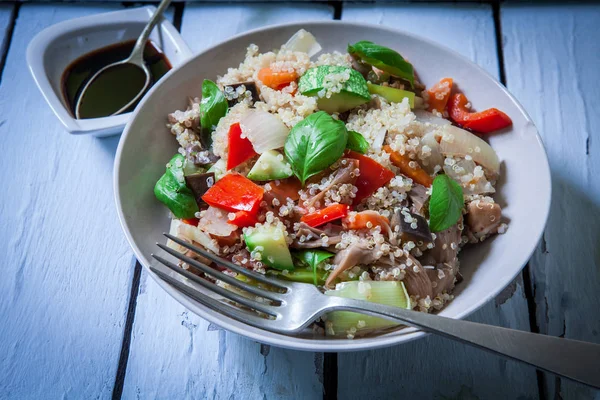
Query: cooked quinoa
x,y
272,187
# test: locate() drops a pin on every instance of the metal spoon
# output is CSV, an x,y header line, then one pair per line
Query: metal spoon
x,y
135,58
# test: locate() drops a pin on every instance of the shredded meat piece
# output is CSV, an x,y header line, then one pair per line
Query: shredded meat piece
x,y
344,174
444,257
446,246
417,283
313,237
483,218
242,258
197,257
443,277
355,254
416,279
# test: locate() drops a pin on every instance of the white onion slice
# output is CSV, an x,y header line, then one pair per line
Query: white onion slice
x,y
459,142
303,41
264,130
435,157
190,234
379,138
419,103
427,117
174,230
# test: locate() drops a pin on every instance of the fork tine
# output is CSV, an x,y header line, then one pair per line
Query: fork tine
x,y
219,275
216,305
234,267
228,294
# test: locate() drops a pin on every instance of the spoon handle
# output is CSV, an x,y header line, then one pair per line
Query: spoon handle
x,y
572,359
137,54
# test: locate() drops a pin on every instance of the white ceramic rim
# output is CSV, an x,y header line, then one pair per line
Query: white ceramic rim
x,y
39,45
280,340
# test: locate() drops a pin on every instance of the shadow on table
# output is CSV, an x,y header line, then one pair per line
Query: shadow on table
x,y
109,144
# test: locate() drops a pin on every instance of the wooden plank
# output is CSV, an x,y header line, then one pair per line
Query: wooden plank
x,y
66,265
552,56
176,354
435,367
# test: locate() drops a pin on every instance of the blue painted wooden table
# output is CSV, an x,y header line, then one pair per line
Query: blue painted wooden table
x,y
79,318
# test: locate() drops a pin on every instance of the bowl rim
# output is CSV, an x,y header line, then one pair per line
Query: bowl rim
x,y
331,345
38,47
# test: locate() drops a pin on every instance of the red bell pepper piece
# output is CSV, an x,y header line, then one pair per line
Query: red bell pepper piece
x,y
485,121
372,176
240,149
233,193
328,214
243,219
191,221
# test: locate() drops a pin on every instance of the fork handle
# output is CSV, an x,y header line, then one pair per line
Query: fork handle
x,y
573,359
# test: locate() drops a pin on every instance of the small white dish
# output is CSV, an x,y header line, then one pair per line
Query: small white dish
x,y
523,189
53,49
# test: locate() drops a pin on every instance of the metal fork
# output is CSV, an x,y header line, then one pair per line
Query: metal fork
x,y
291,307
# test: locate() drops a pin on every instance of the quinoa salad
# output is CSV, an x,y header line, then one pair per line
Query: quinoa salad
x,y
340,170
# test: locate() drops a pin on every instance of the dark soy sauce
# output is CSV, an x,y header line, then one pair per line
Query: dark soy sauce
x,y
117,86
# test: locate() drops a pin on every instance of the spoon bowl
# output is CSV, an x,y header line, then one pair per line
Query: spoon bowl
x,y
104,82
136,58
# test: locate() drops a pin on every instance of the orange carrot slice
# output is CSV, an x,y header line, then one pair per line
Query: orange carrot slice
x,y
409,167
276,80
439,95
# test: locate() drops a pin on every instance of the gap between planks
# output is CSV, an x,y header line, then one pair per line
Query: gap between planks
x,y
125,344
5,44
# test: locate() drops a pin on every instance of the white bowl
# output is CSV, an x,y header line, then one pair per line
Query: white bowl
x,y
523,191
53,49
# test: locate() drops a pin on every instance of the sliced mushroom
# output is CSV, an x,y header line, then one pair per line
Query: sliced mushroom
x,y
411,227
199,184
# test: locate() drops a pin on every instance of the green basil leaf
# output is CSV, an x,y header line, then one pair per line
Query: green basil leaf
x,y
357,142
384,59
172,191
213,107
311,259
314,144
446,203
